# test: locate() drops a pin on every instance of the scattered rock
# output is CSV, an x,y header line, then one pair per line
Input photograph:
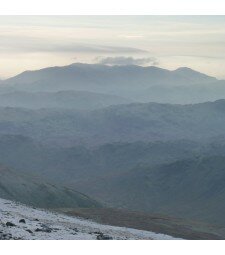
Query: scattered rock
x,y
104,237
46,230
10,224
38,230
22,221
6,237
28,230
96,233
56,229
43,225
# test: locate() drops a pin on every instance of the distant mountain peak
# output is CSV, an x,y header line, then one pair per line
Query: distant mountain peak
x,y
187,70
194,75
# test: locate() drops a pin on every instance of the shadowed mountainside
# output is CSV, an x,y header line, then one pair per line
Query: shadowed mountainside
x,y
36,192
192,189
79,100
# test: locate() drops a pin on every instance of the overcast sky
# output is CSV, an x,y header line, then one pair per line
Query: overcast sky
x,y
34,42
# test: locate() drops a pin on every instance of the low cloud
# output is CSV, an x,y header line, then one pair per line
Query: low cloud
x,y
94,49
104,49
126,61
31,44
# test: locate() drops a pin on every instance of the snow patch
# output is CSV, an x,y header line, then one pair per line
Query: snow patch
x,y
45,225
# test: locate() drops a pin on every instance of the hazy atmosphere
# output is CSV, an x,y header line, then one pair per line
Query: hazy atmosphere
x,y
112,127
34,42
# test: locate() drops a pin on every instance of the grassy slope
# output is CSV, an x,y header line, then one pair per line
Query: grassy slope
x,y
36,192
176,227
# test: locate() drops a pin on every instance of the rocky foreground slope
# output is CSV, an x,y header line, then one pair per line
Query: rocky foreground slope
x,y
18,221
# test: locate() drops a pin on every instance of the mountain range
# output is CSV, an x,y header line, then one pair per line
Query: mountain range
x,y
136,83
119,123
134,138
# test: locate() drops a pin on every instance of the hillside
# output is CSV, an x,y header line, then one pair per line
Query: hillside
x,y
39,224
181,179
80,100
191,189
36,192
119,123
78,163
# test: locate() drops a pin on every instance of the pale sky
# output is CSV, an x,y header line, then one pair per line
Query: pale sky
x,y
34,42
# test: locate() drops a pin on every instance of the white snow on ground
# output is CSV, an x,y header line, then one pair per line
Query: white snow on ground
x,y
53,226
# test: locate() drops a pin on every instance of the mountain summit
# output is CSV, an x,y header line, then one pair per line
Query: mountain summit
x,y
193,75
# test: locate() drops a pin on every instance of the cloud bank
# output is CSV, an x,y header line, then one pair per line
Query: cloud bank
x,y
126,61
